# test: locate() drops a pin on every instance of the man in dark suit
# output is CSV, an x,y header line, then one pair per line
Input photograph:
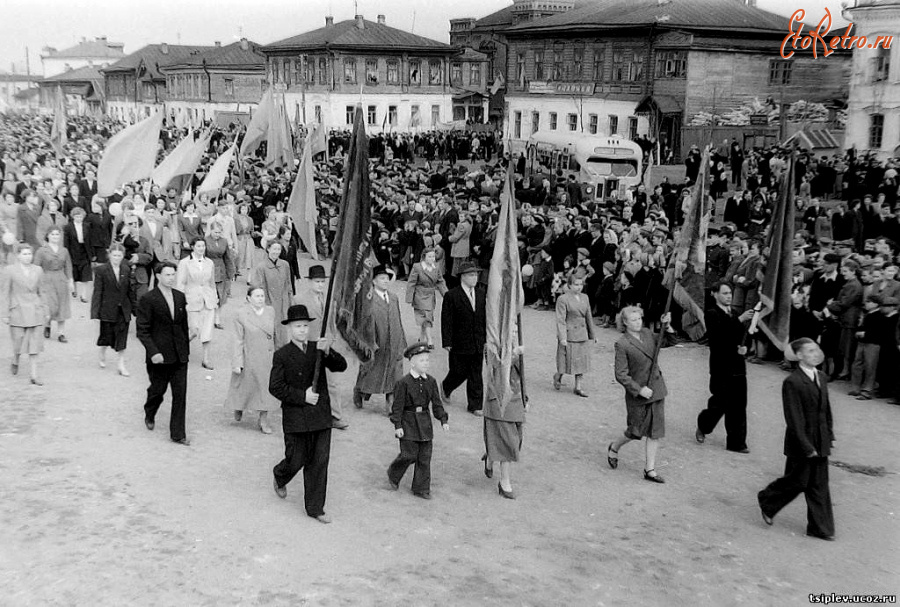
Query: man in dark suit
x,y
162,327
463,334
807,444
306,410
88,185
727,372
847,309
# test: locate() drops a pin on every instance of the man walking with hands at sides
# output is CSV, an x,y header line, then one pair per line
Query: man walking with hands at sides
x,y
306,410
727,372
463,333
162,327
807,444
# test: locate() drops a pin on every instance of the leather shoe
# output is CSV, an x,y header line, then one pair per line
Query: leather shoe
x,y
477,412
424,496
357,399
46,332
14,368
655,478
207,366
62,339
699,436
182,441
827,538
488,470
36,381
324,519
279,491
745,450
339,424
581,393
504,493
149,423
766,518
393,485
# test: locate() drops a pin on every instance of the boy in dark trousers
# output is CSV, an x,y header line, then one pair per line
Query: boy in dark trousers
x,y
865,362
413,394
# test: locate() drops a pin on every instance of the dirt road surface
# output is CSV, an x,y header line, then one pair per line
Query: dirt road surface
x,y
96,510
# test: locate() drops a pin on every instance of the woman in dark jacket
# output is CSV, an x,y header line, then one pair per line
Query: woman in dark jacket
x,y
112,303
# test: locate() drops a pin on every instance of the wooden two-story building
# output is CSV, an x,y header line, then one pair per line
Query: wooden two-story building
x,y
403,81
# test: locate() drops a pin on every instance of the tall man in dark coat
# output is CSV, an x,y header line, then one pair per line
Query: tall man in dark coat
x,y
162,327
847,309
807,444
463,334
306,411
727,372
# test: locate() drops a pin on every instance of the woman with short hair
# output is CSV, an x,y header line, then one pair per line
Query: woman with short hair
x,y
197,279
23,308
53,258
113,302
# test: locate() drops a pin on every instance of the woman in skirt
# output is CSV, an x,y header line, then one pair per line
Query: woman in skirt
x,y
503,427
23,308
251,359
424,280
243,227
53,258
112,303
218,251
644,394
574,334
273,274
196,278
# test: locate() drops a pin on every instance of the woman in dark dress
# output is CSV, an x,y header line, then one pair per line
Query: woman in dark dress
x,y
112,303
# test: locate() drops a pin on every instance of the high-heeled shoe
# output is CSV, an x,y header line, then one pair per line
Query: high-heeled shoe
x,y
206,365
102,364
612,461
36,381
557,381
654,477
488,470
580,392
124,372
504,493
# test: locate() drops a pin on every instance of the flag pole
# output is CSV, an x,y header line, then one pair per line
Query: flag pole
x,y
662,326
521,360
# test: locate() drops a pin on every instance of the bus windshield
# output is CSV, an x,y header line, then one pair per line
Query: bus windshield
x,y
618,167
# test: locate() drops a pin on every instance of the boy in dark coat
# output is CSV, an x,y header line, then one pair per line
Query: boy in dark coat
x,y
413,394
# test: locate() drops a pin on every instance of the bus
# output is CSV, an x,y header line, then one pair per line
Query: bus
x,y
604,166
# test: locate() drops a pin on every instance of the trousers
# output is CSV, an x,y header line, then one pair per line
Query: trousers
x,y
310,452
413,452
729,399
809,476
466,368
161,377
865,365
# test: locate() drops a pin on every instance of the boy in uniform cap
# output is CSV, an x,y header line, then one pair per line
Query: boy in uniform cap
x,y
414,393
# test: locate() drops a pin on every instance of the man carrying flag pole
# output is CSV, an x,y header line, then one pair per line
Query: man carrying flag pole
x,y
504,408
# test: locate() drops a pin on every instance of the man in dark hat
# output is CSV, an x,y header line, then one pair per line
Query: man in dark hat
x,y
312,295
378,375
463,334
306,410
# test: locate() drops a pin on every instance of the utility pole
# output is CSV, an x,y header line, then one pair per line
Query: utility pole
x,y
27,62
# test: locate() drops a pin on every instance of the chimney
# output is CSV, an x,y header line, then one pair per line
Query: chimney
x,y
360,22
381,19
218,43
329,21
245,44
751,3
164,48
101,38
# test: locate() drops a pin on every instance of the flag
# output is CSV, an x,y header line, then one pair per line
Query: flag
x,y
499,82
218,173
129,155
183,160
280,145
258,127
59,135
302,204
690,257
352,274
776,278
317,139
505,297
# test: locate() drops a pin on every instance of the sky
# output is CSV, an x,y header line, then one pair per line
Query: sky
x,y
62,23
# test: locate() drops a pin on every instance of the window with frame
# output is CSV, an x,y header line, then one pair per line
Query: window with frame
x,y
520,69
632,128
392,115
393,71
619,67
636,67
415,119
318,114
459,112
349,113
599,60
613,125
323,70
780,71
517,125
572,121
535,122
287,71
876,131
298,69
435,114
229,87
539,64
434,72
372,115
309,63
415,72
372,71
350,70
881,65
456,74
578,63
671,64
552,121
474,74
593,123
558,69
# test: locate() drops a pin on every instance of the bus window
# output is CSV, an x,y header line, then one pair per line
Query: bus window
x,y
609,166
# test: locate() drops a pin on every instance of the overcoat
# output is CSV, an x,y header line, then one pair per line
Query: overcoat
x,y
196,279
22,297
292,373
421,286
573,318
110,295
254,345
378,375
159,331
807,413
633,360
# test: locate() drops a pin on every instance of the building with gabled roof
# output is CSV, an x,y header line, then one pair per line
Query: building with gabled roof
x,y
402,79
13,84
134,85
82,87
98,52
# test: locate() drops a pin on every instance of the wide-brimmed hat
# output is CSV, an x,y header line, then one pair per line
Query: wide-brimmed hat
x,y
382,269
296,313
467,267
317,271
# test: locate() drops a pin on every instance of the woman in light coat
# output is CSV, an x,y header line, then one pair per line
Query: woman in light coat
x,y
23,308
460,249
58,286
251,359
574,334
424,281
197,278
273,274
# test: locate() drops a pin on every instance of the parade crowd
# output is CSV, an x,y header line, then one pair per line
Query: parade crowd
x,y
174,259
